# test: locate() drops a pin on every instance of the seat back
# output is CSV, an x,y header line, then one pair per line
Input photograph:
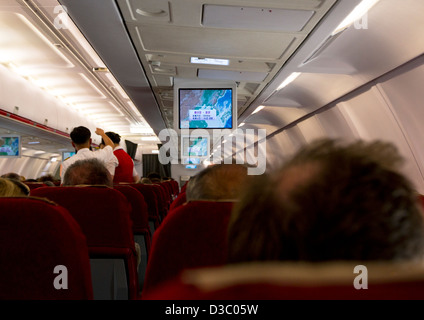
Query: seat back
x,y
43,252
191,236
163,204
104,215
141,230
169,189
179,200
152,204
35,185
297,281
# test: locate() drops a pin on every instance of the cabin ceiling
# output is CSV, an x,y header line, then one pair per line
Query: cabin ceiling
x,y
257,41
148,44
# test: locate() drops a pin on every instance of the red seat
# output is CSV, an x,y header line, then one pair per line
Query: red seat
x,y
104,215
296,281
163,203
191,236
176,187
35,185
179,200
184,187
36,236
169,189
140,219
152,204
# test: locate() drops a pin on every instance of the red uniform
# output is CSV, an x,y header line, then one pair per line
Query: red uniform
x,y
125,171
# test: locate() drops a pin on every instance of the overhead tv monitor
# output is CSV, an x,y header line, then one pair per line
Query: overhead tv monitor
x,y
10,146
67,154
205,108
191,160
194,146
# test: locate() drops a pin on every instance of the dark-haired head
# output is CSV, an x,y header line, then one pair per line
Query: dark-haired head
x,y
330,202
80,135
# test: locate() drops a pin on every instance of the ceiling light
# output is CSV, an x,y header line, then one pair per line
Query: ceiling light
x,y
33,142
82,41
134,109
155,151
116,85
289,80
116,108
258,109
357,13
241,124
218,62
141,130
149,138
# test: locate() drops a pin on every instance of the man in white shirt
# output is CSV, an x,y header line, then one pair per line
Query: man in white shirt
x,y
81,141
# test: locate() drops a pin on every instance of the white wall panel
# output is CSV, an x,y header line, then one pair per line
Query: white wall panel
x,y
373,120
405,95
311,129
37,104
335,125
279,149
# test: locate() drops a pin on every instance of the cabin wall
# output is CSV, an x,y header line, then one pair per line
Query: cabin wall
x,y
388,109
21,97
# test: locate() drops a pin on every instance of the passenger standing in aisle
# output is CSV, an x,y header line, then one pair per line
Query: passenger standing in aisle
x,y
125,171
81,141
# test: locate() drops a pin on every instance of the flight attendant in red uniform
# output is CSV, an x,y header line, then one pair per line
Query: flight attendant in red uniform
x,y
125,171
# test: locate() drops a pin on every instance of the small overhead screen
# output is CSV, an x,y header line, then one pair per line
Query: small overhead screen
x,y
10,146
192,160
194,147
206,108
67,154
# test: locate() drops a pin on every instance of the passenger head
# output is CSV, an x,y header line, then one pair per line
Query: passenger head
x,y
217,182
145,180
90,171
13,188
116,138
12,175
154,177
330,202
45,178
80,136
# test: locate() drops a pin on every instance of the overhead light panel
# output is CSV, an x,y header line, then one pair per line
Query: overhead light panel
x,y
141,130
212,61
149,138
258,109
289,80
357,13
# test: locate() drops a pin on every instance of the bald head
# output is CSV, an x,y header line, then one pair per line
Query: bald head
x,y
218,182
88,171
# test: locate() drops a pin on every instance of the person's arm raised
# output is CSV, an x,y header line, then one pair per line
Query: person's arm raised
x,y
106,139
